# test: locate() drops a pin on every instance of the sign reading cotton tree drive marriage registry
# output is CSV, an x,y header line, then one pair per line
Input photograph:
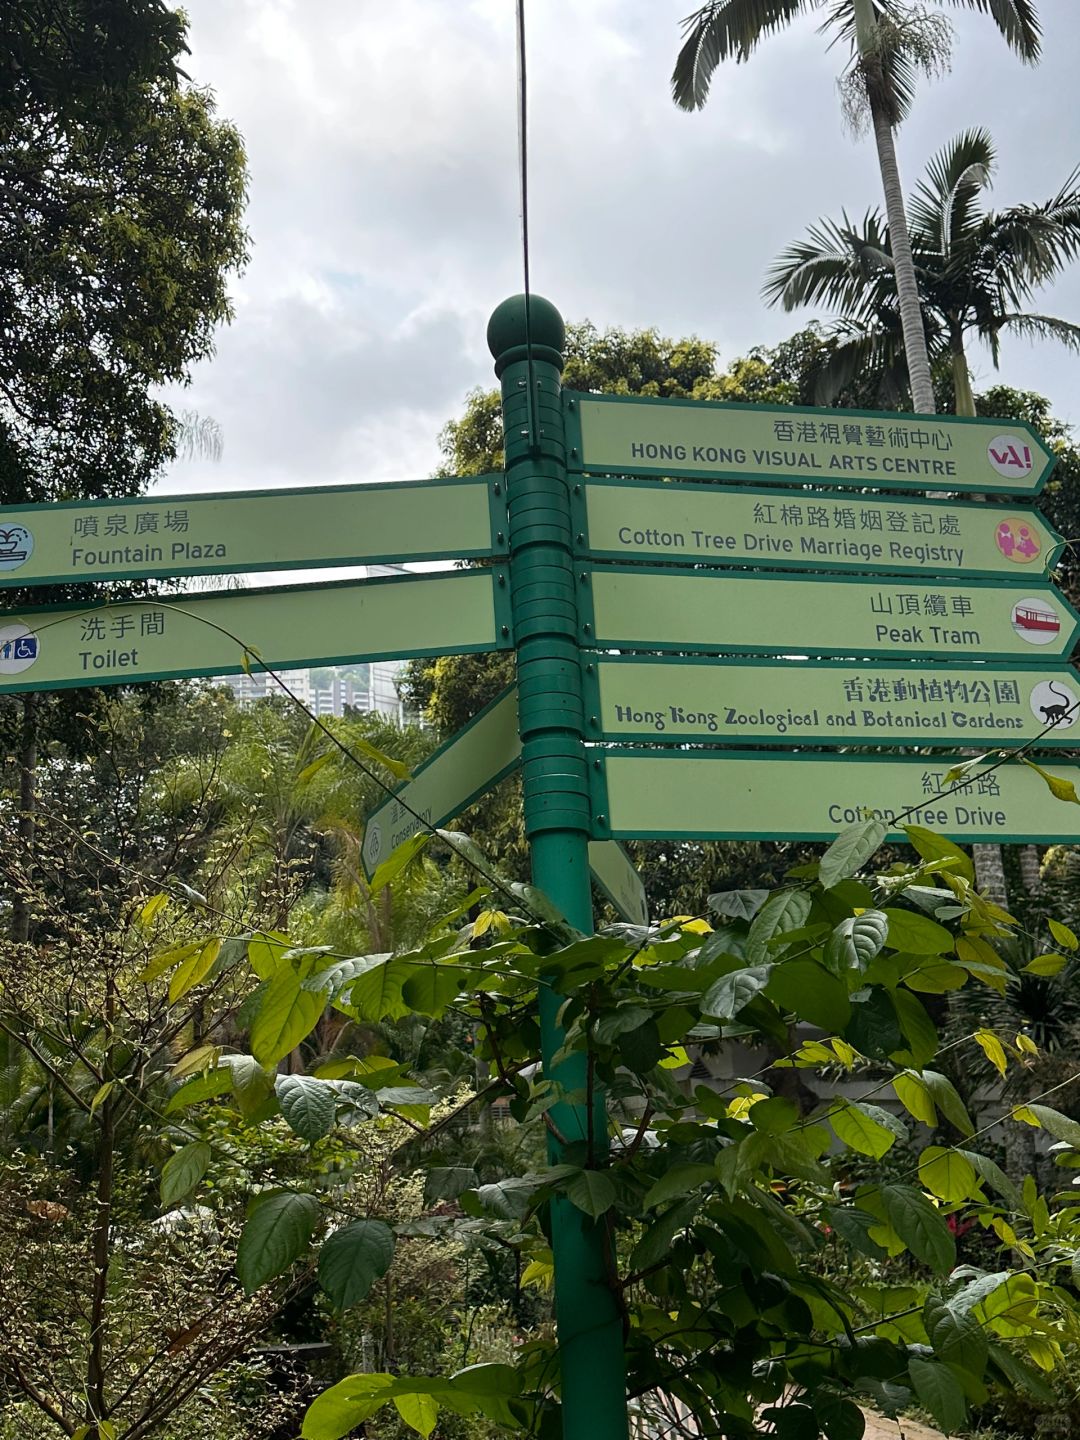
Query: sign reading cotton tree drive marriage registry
x,y
781,614
628,435
55,647
719,525
731,796
720,702
250,530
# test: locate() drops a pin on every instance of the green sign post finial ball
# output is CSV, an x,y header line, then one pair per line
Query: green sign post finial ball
x,y
506,332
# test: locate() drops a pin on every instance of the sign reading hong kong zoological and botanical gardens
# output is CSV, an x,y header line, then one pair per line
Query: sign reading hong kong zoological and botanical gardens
x,y
627,435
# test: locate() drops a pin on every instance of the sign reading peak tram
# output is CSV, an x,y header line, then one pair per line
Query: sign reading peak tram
x,y
626,435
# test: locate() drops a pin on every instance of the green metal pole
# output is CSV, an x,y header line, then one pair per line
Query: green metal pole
x,y
556,794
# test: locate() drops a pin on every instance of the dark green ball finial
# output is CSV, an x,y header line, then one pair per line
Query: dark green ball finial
x,y
506,331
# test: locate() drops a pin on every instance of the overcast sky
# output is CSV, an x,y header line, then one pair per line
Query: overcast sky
x,y
381,137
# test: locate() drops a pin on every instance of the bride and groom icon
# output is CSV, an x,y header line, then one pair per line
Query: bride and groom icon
x,y
1017,541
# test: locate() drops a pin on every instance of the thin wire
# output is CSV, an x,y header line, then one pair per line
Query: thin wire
x,y
523,171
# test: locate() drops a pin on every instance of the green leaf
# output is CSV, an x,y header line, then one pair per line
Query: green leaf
x,y
920,1226
680,1180
286,1014
919,1030
850,851
419,1411
914,1094
447,1182
917,934
641,1049
1046,965
874,1030
377,994
194,970
784,911
656,1242
308,1105
737,904
398,860
353,1258
994,1176
728,995
940,1392
866,1128
808,990
1058,1125
1062,934
957,1337
1059,788
183,1171
343,1407
202,1087
167,959
930,846
432,987
592,1191
265,950
839,1418
277,1231
101,1094
947,1174
251,1084
855,941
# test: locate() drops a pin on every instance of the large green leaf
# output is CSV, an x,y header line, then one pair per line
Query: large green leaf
x,y
948,1174
252,1084
940,1392
931,846
874,1029
737,904
307,1104
344,1406
419,1411
277,1231
1058,1125
919,1030
376,995
855,941
994,1176
353,1258
948,1101
784,911
265,950
202,1087
839,1417
914,1094
679,1180
917,934
921,1227
808,990
728,995
850,851
194,969
592,1191
866,1128
957,1338
432,987
656,1241
183,1171
286,1014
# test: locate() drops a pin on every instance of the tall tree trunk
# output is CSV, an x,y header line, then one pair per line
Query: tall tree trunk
x,y
1030,869
965,398
911,322
28,758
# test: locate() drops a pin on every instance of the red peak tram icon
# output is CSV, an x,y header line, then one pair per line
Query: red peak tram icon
x,y
1036,621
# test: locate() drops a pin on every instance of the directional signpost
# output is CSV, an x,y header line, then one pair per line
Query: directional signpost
x,y
943,609
828,702
627,435
255,530
645,795
719,525
57,647
642,609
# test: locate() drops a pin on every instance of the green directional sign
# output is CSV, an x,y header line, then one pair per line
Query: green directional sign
x,y
638,608
627,435
728,702
614,873
56,647
251,530
457,774
719,525
652,795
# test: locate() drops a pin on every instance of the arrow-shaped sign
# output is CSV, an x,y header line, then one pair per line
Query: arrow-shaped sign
x,y
723,525
164,638
627,435
250,530
777,614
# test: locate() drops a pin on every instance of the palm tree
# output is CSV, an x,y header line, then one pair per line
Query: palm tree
x,y
888,42
978,271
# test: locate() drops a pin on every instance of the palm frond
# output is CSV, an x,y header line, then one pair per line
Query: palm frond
x,y
862,352
1018,21
834,266
720,31
941,210
1042,327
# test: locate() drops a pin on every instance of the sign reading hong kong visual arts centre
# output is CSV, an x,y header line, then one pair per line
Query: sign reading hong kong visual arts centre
x,y
628,435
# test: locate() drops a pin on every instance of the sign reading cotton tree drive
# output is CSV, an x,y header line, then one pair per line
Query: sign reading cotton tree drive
x,y
249,530
716,525
628,435
656,795
638,608
56,647
724,702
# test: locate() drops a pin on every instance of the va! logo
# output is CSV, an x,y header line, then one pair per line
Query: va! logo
x,y
1010,456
